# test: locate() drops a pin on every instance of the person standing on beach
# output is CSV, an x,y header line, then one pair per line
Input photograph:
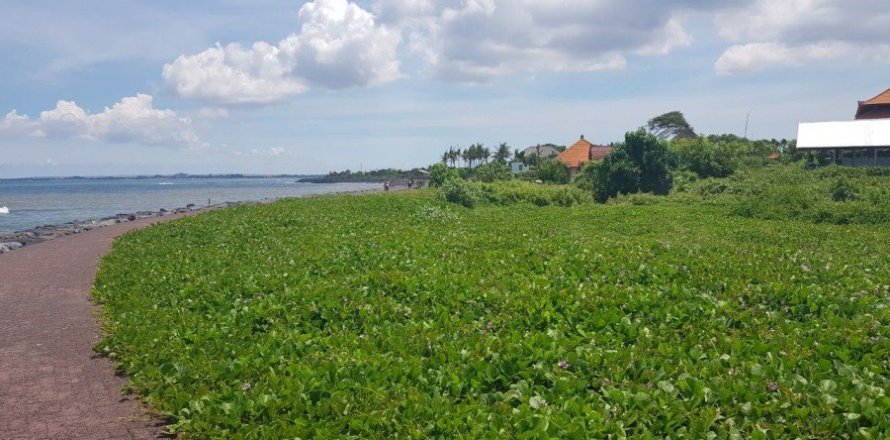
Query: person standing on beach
x,y
386,185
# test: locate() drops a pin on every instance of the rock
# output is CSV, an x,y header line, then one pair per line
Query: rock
x,y
131,217
9,246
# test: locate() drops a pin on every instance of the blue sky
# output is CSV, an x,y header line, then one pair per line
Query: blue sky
x,y
308,87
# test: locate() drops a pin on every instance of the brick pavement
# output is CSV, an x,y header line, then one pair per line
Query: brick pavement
x,y
52,385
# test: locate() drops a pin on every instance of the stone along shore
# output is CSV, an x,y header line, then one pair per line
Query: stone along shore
x,y
16,240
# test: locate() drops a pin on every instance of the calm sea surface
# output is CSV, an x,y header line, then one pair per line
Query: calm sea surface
x,y
37,202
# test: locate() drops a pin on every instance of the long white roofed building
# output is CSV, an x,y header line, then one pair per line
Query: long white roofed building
x,y
864,141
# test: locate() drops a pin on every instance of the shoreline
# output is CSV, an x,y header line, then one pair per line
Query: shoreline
x,y
16,240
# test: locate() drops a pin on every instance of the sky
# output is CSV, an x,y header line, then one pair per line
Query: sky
x,y
130,87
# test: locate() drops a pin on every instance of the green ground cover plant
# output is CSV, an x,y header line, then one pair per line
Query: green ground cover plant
x,y
835,194
401,315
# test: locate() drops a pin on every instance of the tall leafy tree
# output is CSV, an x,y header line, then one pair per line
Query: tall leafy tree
x,y
670,125
640,164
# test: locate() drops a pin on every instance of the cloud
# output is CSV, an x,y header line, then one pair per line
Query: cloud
x,y
478,40
339,46
782,33
268,153
132,120
760,56
213,112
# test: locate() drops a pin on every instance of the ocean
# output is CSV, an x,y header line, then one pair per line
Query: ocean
x,y
37,202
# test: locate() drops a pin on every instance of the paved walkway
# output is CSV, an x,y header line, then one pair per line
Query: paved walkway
x,y
52,386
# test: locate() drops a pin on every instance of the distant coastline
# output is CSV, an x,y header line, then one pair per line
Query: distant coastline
x,y
19,239
375,176
300,177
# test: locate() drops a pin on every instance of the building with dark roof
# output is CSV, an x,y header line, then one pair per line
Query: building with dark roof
x,y
875,108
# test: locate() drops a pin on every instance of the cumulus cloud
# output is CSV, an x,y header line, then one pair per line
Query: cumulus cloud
x,y
477,40
339,45
777,33
132,120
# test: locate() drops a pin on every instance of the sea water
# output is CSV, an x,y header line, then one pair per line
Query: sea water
x,y
37,202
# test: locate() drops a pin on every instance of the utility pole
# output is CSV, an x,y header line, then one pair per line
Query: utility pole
x,y
747,120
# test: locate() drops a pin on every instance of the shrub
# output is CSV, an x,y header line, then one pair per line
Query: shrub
x,y
702,157
552,171
440,173
492,172
616,174
842,190
515,192
460,192
640,164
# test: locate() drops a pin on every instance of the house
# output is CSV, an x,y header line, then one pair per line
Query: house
x,y
866,138
518,167
875,108
580,153
542,151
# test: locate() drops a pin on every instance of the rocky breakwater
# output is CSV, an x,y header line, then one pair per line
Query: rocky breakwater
x,y
16,240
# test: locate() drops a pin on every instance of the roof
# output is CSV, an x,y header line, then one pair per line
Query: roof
x,y
541,150
582,152
576,155
600,153
864,133
878,102
883,98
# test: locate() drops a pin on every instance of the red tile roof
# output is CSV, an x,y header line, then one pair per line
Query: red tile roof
x,y
582,152
883,98
874,108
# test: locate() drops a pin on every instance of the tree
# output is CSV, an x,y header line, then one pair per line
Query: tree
x,y
453,156
702,157
502,153
483,152
440,173
670,125
616,174
492,172
640,164
552,171
467,156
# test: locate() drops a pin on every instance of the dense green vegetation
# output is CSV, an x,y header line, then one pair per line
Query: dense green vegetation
x,y
754,306
383,175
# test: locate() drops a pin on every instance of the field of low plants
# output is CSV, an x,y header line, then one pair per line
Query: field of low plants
x,y
404,315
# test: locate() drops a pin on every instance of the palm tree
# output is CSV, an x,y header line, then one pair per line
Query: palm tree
x,y
502,153
484,153
467,156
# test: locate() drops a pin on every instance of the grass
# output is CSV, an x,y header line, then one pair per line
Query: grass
x,y
403,316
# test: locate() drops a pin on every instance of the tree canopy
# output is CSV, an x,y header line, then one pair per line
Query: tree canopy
x,y
670,125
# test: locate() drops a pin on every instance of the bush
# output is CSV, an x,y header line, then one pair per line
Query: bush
x,y
492,172
616,174
842,190
552,171
702,157
460,192
640,164
440,173
835,195
513,192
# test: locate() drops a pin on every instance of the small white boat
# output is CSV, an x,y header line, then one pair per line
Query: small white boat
x,y
4,210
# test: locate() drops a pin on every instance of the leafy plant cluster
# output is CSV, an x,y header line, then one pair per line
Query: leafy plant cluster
x,y
838,195
398,316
